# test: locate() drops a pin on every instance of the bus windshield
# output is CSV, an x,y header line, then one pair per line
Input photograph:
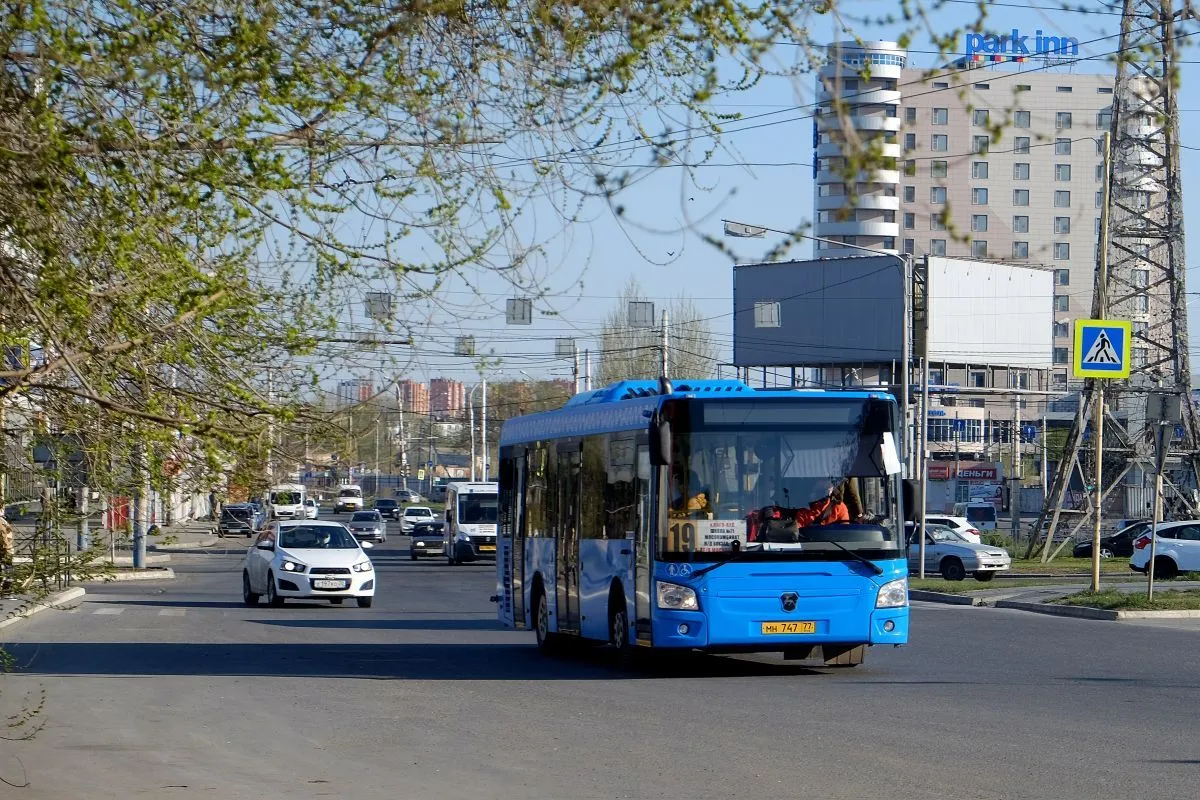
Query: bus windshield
x,y
478,508
350,493
806,481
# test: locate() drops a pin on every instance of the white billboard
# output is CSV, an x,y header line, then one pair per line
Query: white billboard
x,y
985,313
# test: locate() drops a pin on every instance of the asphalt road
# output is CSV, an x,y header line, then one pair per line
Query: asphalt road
x,y
175,689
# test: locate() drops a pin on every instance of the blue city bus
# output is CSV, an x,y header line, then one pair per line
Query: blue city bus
x,y
706,516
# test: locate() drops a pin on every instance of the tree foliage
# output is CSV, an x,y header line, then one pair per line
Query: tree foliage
x,y
184,180
635,352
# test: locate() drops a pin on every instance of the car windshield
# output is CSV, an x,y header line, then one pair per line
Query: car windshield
x,y
418,512
476,508
285,498
365,516
350,493
240,514
316,537
385,503
939,534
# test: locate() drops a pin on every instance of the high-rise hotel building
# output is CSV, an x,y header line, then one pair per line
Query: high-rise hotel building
x,y
981,162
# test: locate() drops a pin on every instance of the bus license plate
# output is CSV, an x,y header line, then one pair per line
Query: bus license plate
x,y
788,627
329,584
487,548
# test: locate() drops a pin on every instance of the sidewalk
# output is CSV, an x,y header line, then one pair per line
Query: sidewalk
x,y
1040,599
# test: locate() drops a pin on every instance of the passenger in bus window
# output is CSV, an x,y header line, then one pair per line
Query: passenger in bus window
x,y
691,498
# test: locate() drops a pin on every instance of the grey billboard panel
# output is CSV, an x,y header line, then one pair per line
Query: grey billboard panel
x,y
827,311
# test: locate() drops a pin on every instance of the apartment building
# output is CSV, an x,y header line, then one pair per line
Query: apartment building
x,y
413,397
357,390
994,160
447,399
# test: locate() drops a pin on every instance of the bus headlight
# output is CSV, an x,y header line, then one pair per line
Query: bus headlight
x,y
676,597
893,594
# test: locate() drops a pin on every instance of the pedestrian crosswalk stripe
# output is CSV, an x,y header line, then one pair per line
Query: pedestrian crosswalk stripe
x,y
113,610
172,612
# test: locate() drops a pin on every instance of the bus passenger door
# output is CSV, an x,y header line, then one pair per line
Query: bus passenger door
x,y
644,533
567,540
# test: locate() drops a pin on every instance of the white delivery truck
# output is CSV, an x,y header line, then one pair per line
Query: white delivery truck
x,y
287,501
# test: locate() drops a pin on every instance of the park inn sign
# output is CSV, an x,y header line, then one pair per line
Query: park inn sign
x,y
1018,46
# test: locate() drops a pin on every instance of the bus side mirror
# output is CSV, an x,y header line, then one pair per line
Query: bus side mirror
x,y
660,442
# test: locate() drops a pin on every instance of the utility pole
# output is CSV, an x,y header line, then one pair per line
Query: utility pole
x,y
471,427
666,361
1014,493
574,372
483,426
378,426
587,379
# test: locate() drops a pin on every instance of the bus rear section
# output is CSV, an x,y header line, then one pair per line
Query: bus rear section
x,y
715,518
471,518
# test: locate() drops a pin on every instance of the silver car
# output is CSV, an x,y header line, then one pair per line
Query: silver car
x,y
368,526
953,556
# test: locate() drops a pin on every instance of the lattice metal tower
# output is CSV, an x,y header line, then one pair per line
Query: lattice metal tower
x,y
1144,281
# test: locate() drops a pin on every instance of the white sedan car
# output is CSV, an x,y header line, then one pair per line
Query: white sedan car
x,y
310,560
414,514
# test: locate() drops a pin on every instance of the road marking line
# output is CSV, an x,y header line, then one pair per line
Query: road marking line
x,y
109,610
172,612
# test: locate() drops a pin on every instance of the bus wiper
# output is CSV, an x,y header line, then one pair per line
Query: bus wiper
x,y
878,570
737,551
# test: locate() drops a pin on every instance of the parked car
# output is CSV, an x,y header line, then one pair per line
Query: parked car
x,y
308,560
427,539
407,496
413,515
237,519
310,509
387,508
1177,549
959,525
368,525
1119,544
952,556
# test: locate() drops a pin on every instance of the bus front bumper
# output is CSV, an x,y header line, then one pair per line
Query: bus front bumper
x,y
777,632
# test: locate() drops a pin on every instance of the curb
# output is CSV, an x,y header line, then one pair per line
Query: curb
x,y
943,597
155,574
127,561
166,548
1078,612
53,601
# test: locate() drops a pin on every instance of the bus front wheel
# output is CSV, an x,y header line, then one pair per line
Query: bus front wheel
x,y
547,642
618,632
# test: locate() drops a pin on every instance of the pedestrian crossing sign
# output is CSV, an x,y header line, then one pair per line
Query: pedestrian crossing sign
x,y
1101,348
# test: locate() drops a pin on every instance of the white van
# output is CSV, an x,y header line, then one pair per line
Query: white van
x,y
349,498
287,501
980,515
472,513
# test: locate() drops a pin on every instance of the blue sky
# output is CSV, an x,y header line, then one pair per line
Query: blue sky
x,y
762,175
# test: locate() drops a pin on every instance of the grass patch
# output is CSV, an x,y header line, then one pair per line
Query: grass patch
x,y
1060,566
968,586
1113,600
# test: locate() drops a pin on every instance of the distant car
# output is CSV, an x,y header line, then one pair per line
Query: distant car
x,y
427,539
311,509
307,561
953,556
368,525
1115,545
1177,549
237,519
407,496
957,524
415,514
387,508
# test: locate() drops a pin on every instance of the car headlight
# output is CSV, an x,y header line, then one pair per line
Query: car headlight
x,y
292,566
362,566
893,594
676,597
